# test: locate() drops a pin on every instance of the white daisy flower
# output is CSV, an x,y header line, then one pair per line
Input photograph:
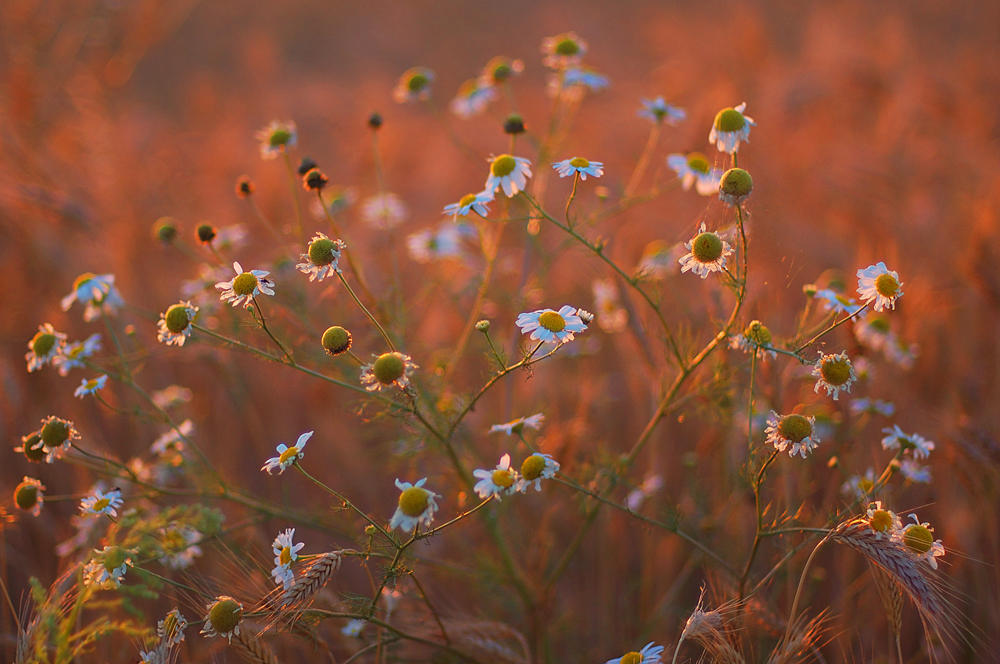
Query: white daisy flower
x,y
383,211
437,244
730,127
470,202
45,346
534,469
551,326
875,407
90,386
417,506
660,259
499,482
914,472
735,186
276,138
321,258
180,546
28,496
919,539
472,99
755,338
97,292
510,173
611,316
883,522
835,373
102,503
57,436
414,85
580,166
287,456
860,486
836,302
286,551
658,110
72,354
637,496
174,327
110,568
500,70
563,50
879,286
171,628
353,628
693,169
896,439
795,433
650,654
223,618
245,286
707,253
575,80
388,369
520,424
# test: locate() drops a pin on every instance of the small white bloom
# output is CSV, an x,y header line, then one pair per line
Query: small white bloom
x,y
383,211
534,469
44,347
611,316
499,482
518,425
417,506
97,292
707,253
896,439
174,327
834,301
173,439
860,486
245,286
730,127
321,259
576,80
180,546
795,433
353,628
563,50
650,654
72,355
834,373
388,370
102,503
876,407
551,326
884,522
509,173
914,472
438,244
919,539
286,551
693,169
879,286
637,496
109,568
276,138
658,111
90,386
470,202
472,99
414,85
287,456
580,166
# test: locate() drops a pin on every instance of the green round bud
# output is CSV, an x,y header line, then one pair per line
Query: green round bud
x,y
336,340
206,233
306,165
736,184
483,326
810,290
389,367
165,229
370,530
244,186
567,47
513,125
375,121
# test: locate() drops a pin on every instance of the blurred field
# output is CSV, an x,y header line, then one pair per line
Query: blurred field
x,y
877,138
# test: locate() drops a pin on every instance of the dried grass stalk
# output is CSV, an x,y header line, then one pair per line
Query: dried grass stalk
x,y
488,641
891,594
311,581
252,648
801,643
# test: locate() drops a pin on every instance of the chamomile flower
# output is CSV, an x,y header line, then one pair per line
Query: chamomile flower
x,y
72,354
693,169
534,469
180,546
470,203
563,50
171,628
414,85
90,386
383,211
650,654
102,503
32,447
795,433
499,482
175,327
859,486
472,99
57,436
839,303
436,244
276,138
97,293
835,373
245,286
28,496
576,79
499,70
173,439
611,316
287,456
735,186
578,166
417,506
388,370
320,260
895,439
286,551
353,628
46,345
755,338
109,568
658,111
919,539
637,496
883,522
879,286
223,618
552,326
707,253
660,259
872,406
509,173
520,424
914,472
730,128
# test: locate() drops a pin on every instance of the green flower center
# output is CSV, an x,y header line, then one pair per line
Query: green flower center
x,y
414,501
729,119
225,615
707,247
866,485
32,450
503,478
886,285
245,284
632,658
176,319
502,72
114,558
173,540
285,557
532,467
417,82
879,324
880,521
918,538
567,47
322,251
26,496
279,138
101,504
836,372
517,428
389,368
288,454
42,343
579,162
698,162
336,340
795,428
758,333
736,182
552,321
468,199
503,165
55,433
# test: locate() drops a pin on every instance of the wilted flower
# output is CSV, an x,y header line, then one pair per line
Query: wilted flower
x,y
707,253
174,327
28,496
883,522
57,436
44,347
730,127
833,372
223,618
322,257
794,432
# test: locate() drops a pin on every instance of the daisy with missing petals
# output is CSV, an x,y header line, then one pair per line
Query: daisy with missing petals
x,y
883,522
470,203
383,211
223,618
286,552
499,482
919,539
57,436
563,50
552,326
879,286
414,85
109,569
519,425
534,469
510,173
650,654
90,386
735,186
287,456
756,338
578,166
707,253
914,472
321,258
860,486
28,496
896,439
693,169
171,628
835,373
276,138
417,506
245,286
174,327
658,111
44,347
388,369
102,503
73,354
795,433
730,127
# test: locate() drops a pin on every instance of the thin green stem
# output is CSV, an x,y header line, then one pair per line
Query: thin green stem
x,y
572,195
367,313
348,504
263,325
640,167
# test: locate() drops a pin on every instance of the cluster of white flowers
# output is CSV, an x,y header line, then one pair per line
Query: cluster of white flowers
x,y
917,538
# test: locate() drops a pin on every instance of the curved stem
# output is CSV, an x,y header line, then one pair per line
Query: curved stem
x,y
367,313
263,325
640,167
798,591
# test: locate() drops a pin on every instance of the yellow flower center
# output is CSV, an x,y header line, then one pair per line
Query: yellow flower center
x,y
736,182
245,284
503,478
503,165
698,162
114,558
632,658
42,343
336,340
579,162
225,615
795,428
918,538
82,279
468,199
729,119
288,455
101,504
552,321
176,319
532,467
707,247
567,47
279,137
866,485
55,433
285,557
414,501
880,521
389,368
417,82
886,285
321,251
758,333
26,495
836,372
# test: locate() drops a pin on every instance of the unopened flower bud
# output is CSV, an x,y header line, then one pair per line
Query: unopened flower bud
x,y
483,326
